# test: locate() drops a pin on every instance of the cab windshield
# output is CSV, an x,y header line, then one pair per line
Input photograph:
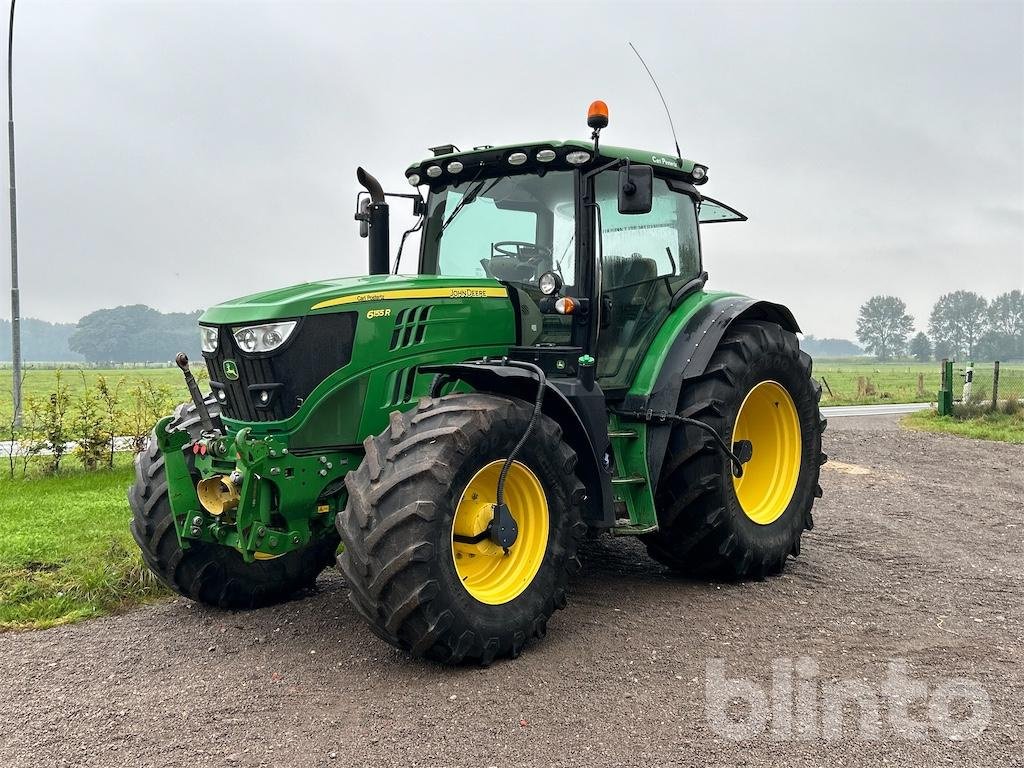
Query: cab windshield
x,y
511,228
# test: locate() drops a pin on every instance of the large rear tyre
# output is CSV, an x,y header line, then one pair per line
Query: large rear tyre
x,y
208,573
757,387
425,489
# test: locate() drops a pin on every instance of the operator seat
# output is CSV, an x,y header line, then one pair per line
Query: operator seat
x,y
509,269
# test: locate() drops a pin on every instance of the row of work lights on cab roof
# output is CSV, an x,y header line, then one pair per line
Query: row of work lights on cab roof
x,y
543,156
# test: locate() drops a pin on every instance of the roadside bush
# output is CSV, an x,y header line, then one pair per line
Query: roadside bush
x,y
53,427
147,404
89,430
109,398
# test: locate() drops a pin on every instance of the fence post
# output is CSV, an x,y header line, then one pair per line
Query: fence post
x,y
945,403
995,386
965,398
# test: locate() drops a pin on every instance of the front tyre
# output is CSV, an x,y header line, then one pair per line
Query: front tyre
x,y
418,569
757,388
211,573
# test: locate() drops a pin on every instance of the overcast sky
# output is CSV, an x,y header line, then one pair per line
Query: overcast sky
x,y
179,154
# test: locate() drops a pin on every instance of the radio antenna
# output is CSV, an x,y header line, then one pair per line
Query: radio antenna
x,y
663,102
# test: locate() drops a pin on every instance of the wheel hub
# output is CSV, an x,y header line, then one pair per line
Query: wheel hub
x,y
497,555
768,421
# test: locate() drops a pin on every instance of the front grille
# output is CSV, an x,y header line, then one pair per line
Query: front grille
x,y
318,346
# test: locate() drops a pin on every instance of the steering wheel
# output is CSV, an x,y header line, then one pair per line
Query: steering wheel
x,y
537,252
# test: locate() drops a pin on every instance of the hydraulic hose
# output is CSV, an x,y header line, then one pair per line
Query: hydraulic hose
x,y
663,416
537,403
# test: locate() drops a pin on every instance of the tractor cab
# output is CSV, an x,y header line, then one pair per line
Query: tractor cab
x,y
596,246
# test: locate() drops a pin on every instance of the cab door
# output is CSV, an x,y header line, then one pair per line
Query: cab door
x,y
645,259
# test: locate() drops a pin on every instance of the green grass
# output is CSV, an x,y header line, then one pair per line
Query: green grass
x,y
65,549
1007,428
898,382
39,383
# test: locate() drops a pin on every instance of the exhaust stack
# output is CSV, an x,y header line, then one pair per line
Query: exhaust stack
x,y
374,220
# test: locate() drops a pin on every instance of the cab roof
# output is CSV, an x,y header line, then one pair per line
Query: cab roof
x,y
526,158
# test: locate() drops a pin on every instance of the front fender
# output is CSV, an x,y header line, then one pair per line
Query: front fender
x,y
581,414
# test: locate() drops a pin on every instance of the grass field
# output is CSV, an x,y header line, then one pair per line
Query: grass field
x,y
990,426
891,382
65,550
898,382
41,382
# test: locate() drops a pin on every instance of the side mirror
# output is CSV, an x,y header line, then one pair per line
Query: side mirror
x,y
636,189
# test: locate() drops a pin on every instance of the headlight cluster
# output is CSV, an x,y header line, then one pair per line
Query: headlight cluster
x,y
263,338
209,338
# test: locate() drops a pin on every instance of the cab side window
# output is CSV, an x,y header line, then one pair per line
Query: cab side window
x,y
645,259
662,243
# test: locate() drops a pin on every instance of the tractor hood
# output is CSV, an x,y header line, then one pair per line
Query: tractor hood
x,y
325,296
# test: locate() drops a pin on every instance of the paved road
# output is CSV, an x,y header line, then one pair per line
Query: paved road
x,y
908,561
888,409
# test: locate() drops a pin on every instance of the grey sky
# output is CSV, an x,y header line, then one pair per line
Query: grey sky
x,y
179,154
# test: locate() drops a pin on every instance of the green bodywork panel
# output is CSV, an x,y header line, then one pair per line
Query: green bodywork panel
x,y
631,460
643,156
284,466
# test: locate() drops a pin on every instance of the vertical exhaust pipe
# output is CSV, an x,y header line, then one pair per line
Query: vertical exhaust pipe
x,y
375,224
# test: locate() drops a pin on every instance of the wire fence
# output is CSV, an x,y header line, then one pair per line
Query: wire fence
x,y
991,386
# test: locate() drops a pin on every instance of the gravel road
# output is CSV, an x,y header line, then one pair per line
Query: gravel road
x,y
917,556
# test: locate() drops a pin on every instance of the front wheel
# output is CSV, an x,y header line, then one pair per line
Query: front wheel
x,y
757,388
211,573
420,568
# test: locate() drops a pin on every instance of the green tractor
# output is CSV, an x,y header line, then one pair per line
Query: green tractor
x,y
551,369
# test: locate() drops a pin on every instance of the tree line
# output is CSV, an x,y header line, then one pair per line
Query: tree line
x,y
962,326
127,334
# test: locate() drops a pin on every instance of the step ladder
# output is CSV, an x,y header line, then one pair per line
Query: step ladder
x,y
630,482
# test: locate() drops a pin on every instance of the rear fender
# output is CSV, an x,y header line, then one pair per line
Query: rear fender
x,y
697,335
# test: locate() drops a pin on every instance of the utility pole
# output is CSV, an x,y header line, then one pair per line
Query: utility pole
x,y
15,298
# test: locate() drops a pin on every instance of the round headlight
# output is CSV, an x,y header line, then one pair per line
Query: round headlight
x,y
549,283
414,179
578,158
434,171
455,167
546,155
246,339
517,158
698,173
209,338
271,338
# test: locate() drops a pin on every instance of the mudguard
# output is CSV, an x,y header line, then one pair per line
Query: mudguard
x,y
580,412
688,355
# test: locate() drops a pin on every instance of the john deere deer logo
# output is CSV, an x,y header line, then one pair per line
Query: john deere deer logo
x,y
231,369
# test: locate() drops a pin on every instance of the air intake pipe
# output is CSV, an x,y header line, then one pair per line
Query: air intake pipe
x,y
373,216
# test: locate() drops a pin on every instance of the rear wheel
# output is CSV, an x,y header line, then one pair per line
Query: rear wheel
x,y
419,568
211,573
757,388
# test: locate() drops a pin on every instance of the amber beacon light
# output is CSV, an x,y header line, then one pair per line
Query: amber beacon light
x,y
597,115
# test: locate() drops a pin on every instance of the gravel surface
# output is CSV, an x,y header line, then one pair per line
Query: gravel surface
x,y
917,556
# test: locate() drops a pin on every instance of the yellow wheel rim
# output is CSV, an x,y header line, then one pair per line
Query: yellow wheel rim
x,y
769,420
487,573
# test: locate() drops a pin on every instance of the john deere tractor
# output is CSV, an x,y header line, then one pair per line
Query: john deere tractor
x,y
548,367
